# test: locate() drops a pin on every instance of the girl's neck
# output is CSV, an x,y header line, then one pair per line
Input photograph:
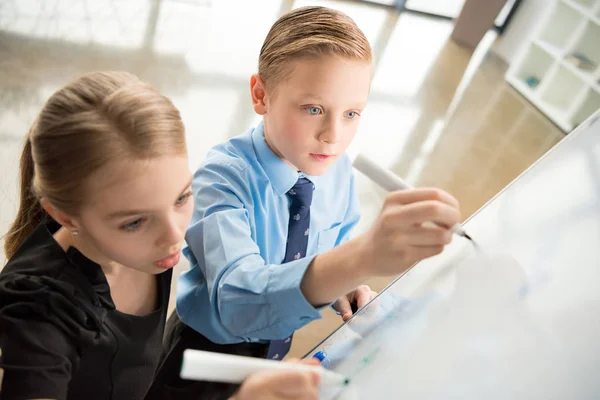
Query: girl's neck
x,y
120,279
65,239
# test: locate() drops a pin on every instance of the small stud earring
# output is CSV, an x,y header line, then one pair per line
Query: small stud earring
x,y
75,233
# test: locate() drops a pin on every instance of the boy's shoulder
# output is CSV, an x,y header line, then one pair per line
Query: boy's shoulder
x,y
236,153
233,163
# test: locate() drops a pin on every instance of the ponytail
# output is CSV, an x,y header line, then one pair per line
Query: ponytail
x,y
30,212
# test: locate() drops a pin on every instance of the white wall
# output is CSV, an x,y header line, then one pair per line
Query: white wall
x,y
523,26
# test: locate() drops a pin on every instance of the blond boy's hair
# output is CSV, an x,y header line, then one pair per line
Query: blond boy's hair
x,y
310,32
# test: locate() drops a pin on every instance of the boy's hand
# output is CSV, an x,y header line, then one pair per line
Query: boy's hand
x,y
413,225
399,238
280,385
359,296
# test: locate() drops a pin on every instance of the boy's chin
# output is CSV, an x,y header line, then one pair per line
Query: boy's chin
x,y
315,168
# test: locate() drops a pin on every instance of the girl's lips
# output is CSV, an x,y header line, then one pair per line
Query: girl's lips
x,y
168,262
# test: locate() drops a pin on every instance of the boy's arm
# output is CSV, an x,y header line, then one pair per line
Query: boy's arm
x,y
399,238
255,300
250,298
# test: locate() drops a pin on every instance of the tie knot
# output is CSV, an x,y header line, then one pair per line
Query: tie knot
x,y
301,193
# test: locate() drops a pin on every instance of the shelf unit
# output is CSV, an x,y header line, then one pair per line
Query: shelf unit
x,y
564,92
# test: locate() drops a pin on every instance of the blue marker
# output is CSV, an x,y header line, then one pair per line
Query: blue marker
x,y
322,356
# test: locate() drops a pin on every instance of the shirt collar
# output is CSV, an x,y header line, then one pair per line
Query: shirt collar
x,y
282,176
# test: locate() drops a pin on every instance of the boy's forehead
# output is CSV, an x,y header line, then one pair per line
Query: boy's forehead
x,y
327,78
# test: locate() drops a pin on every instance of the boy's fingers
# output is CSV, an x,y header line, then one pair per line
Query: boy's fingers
x,y
342,305
419,213
429,236
363,296
423,194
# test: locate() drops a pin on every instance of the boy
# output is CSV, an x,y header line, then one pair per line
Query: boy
x,y
269,242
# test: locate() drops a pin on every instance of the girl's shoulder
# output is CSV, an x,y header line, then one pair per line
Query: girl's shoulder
x,y
43,282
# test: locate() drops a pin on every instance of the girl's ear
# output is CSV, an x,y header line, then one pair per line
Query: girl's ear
x,y
62,218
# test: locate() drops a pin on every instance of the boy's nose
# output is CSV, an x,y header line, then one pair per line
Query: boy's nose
x,y
331,133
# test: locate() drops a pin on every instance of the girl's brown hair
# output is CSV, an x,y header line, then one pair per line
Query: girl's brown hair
x,y
96,119
310,32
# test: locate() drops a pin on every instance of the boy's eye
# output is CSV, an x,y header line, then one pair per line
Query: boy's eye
x,y
351,114
313,110
134,225
181,200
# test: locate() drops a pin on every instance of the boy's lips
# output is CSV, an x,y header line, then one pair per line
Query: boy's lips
x,y
320,157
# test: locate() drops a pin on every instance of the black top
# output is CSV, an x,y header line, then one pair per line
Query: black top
x,y
60,334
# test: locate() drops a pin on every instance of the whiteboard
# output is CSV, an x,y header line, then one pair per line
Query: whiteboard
x,y
517,318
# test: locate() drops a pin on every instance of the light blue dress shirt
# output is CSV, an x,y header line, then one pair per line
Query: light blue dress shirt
x,y
237,289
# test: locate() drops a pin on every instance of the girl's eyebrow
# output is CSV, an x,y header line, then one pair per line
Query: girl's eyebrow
x,y
129,213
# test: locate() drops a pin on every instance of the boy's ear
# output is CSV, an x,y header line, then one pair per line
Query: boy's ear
x,y
258,92
59,216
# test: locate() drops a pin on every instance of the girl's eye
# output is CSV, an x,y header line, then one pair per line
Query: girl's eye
x,y
351,114
133,226
313,110
183,198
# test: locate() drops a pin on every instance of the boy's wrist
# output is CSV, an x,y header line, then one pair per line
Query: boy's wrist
x,y
359,257
336,272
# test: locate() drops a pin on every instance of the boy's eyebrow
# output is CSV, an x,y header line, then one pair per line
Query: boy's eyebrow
x,y
314,96
311,95
128,213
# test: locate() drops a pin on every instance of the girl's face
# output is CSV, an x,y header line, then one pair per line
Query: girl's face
x,y
137,213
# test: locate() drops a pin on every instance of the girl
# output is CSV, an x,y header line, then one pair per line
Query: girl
x,y
105,202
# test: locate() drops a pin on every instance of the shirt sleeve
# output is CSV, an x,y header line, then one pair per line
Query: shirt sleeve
x,y
352,215
40,336
250,298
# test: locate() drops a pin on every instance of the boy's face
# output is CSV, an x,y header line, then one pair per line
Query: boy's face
x,y
311,116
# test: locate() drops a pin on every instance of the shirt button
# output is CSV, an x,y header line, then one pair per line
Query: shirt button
x,y
288,340
276,356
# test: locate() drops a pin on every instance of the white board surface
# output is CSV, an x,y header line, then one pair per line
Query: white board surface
x,y
518,319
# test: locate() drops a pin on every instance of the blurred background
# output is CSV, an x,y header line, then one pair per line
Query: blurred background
x,y
466,94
